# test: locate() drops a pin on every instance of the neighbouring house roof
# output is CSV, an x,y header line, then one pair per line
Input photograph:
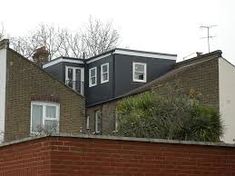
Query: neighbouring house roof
x,y
63,59
202,57
5,44
178,68
110,52
133,53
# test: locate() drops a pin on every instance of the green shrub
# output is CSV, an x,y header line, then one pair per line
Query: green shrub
x,y
178,117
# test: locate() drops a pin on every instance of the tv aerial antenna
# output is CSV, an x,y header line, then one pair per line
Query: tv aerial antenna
x,y
209,36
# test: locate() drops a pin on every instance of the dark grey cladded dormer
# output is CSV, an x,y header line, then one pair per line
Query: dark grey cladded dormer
x,y
111,74
68,70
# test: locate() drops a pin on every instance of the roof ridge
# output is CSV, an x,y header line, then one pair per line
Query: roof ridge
x,y
217,53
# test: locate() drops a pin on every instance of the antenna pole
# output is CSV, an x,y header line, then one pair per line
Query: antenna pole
x,y
208,35
208,39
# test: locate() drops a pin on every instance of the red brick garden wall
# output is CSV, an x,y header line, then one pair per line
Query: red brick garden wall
x,y
70,156
31,158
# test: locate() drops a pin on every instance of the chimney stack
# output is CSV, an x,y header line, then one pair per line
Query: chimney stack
x,y
40,56
4,44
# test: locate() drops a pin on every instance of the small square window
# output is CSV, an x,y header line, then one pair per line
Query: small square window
x,y
44,117
104,73
139,72
92,77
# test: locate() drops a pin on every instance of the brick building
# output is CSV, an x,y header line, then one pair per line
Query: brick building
x,y
119,73
32,101
210,74
107,77
29,95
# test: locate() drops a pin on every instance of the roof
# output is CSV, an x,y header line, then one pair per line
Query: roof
x,y
63,59
122,50
202,57
178,67
4,44
110,52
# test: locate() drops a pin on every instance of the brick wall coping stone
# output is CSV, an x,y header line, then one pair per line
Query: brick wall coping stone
x,y
118,138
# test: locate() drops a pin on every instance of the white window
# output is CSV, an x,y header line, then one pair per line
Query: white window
x,y
92,77
139,72
74,78
45,117
104,73
116,121
88,122
97,121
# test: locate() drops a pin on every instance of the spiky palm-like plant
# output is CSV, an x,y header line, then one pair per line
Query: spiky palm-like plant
x,y
180,117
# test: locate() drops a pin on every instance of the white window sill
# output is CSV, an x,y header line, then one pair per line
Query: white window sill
x,y
142,81
102,82
92,85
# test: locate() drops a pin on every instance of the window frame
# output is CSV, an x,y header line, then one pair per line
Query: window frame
x,y
88,122
75,79
98,131
102,73
134,71
44,118
90,82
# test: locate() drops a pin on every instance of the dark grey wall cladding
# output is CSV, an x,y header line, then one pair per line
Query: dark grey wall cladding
x,y
120,75
100,92
56,71
124,76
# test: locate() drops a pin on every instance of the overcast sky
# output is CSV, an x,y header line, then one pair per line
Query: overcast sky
x,y
170,26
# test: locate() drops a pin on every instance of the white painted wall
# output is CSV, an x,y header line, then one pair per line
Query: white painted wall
x,y
2,91
227,99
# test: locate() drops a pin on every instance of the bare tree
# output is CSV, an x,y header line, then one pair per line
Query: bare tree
x,y
96,38
47,36
23,46
43,36
2,31
99,37
71,44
